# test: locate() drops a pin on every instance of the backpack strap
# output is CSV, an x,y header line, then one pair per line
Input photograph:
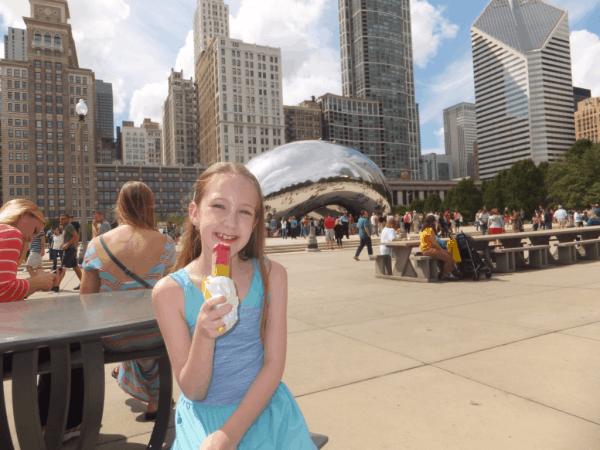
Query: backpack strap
x,y
125,270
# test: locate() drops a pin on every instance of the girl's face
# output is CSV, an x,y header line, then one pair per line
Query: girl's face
x,y
29,227
226,213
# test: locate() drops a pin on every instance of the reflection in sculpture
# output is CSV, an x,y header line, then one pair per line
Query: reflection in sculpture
x,y
306,176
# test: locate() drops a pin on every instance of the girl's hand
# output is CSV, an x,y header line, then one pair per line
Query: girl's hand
x,y
210,320
217,441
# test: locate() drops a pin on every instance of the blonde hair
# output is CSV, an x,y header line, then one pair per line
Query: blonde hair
x,y
191,243
13,211
135,206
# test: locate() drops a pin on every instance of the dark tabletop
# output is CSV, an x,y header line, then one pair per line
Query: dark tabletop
x,y
71,318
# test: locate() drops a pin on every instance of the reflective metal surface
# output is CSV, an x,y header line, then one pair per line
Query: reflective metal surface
x,y
302,177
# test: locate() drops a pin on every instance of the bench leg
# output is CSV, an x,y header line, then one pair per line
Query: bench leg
x,y
165,394
60,393
25,402
520,259
427,269
383,265
566,255
591,251
93,394
403,266
505,262
5,438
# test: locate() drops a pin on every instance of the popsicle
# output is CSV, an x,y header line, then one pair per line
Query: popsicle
x,y
221,264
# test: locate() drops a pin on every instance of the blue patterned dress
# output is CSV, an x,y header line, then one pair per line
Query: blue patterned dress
x,y
138,378
238,358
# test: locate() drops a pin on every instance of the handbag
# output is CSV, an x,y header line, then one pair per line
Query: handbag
x,y
125,270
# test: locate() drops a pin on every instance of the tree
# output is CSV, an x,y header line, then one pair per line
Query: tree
x,y
417,205
433,203
523,187
575,183
492,191
465,198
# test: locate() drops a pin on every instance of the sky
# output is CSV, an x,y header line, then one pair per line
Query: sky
x,y
134,44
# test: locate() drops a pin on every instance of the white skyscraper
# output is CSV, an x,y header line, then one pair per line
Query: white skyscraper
x,y
460,131
240,101
142,145
211,19
523,84
15,44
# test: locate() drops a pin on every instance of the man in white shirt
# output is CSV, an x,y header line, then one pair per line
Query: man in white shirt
x,y
577,219
561,217
375,224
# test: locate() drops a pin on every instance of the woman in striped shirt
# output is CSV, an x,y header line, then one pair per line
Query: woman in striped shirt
x,y
20,221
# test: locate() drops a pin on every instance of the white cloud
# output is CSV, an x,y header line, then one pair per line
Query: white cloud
x,y
440,148
12,12
454,85
309,66
147,102
185,57
585,54
119,96
429,29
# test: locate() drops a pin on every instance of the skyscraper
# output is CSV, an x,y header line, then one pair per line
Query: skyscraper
x,y
579,95
377,64
180,121
104,101
41,159
460,131
141,145
240,102
436,167
211,19
523,84
15,44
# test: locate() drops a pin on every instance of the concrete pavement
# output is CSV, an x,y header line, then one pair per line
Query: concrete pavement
x,y
506,363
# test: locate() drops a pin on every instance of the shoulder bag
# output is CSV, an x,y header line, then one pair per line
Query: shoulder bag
x,y
125,270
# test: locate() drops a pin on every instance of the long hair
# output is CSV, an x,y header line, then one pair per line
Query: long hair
x,y
191,242
135,206
429,222
13,211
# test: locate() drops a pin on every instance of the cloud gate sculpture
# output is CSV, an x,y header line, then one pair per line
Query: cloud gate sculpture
x,y
307,176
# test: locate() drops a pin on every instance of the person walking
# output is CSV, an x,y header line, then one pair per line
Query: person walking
x,y
375,224
351,224
329,232
305,227
71,240
364,233
37,250
416,222
496,223
561,217
457,221
294,227
273,227
149,256
548,216
283,228
516,221
345,222
578,219
50,241
57,251
407,222
483,218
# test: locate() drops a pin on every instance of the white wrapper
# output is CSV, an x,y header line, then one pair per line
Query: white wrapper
x,y
224,286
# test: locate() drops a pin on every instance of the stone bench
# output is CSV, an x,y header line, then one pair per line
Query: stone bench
x,y
508,259
591,249
567,252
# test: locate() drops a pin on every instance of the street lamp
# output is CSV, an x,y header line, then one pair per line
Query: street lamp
x,y
82,111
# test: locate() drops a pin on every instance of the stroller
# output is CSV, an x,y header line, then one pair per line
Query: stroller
x,y
472,265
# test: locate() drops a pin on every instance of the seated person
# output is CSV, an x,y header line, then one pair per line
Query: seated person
x,y
592,219
430,247
388,234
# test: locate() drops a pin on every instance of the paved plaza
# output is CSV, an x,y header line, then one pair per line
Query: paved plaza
x,y
506,363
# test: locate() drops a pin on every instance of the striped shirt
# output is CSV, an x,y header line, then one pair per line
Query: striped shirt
x,y
36,243
11,242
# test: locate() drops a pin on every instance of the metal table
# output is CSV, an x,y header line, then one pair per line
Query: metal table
x,y
56,323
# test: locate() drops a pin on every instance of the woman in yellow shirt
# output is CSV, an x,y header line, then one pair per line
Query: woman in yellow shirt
x,y
430,247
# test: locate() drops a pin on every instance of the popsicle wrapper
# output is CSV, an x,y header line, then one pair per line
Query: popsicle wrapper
x,y
223,286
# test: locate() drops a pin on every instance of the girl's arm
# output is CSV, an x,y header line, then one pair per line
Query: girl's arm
x,y
266,382
434,243
191,358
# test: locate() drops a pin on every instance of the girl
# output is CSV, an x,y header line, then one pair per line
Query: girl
x,y
57,252
294,224
231,391
430,247
338,229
